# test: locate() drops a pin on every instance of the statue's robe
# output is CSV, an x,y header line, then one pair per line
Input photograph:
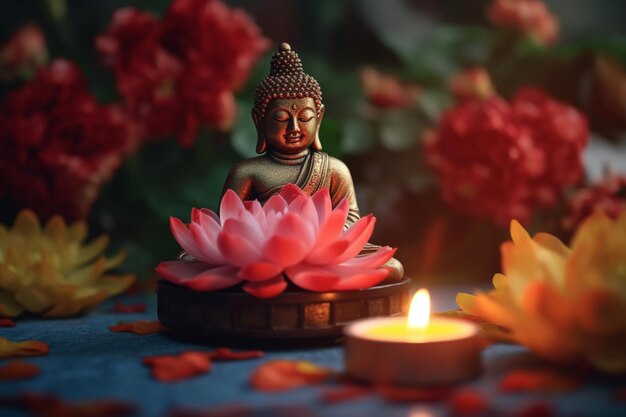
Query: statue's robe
x,y
318,171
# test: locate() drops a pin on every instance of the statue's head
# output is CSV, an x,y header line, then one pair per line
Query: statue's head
x,y
288,107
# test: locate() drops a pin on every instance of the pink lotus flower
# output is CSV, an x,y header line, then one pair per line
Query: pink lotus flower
x,y
296,235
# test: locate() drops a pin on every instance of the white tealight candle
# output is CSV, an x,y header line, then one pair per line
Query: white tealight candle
x,y
419,350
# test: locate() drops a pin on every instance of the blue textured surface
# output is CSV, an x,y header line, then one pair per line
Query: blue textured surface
x,y
88,362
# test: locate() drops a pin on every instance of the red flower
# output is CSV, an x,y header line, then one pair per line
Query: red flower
x,y
561,133
179,73
609,195
57,144
530,17
501,160
23,53
386,91
485,161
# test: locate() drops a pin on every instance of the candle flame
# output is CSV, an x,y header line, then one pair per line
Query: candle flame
x,y
419,311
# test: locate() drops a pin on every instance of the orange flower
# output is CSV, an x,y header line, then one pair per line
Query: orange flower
x,y
51,272
529,17
565,304
471,83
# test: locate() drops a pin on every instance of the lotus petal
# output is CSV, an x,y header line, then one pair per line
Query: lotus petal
x,y
276,204
258,271
373,260
324,255
231,206
184,237
291,192
304,206
358,234
266,289
236,249
323,205
294,226
206,246
332,227
285,251
198,276
312,278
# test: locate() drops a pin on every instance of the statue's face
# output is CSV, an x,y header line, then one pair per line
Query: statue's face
x,y
290,125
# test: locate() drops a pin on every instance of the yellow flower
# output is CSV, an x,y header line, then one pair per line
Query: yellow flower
x,y
565,304
50,272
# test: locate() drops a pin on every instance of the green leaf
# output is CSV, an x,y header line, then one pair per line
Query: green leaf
x,y
244,136
357,136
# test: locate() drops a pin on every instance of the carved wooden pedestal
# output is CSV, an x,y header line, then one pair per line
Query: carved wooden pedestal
x,y
294,314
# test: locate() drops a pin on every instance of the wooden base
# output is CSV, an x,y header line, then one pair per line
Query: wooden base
x,y
294,314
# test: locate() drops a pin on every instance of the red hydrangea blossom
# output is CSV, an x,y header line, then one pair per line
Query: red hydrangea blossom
x,y
530,17
501,160
386,91
608,195
57,144
561,133
179,73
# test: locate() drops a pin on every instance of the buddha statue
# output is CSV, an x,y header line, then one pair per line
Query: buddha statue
x,y
287,113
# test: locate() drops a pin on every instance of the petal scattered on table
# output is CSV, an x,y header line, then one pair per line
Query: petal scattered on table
x,y
538,380
140,327
129,308
409,394
235,410
468,402
225,354
6,322
17,370
11,349
172,368
283,375
48,405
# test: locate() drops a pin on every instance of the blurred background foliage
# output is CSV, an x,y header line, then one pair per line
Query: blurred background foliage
x,y
424,42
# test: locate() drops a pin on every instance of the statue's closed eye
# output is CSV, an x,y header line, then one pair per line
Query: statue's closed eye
x,y
306,115
280,116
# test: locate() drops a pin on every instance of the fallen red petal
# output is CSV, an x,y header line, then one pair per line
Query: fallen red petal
x,y
404,394
225,354
468,403
172,368
345,393
536,409
538,380
10,349
283,375
4,322
17,370
140,327
129,308
48,405
219,411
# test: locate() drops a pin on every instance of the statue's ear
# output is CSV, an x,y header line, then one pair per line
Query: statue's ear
x,y
317,143
261,143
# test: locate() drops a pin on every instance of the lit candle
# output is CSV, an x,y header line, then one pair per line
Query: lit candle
x,y
419,350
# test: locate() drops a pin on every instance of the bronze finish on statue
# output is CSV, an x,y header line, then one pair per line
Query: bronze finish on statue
x,y
287,114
